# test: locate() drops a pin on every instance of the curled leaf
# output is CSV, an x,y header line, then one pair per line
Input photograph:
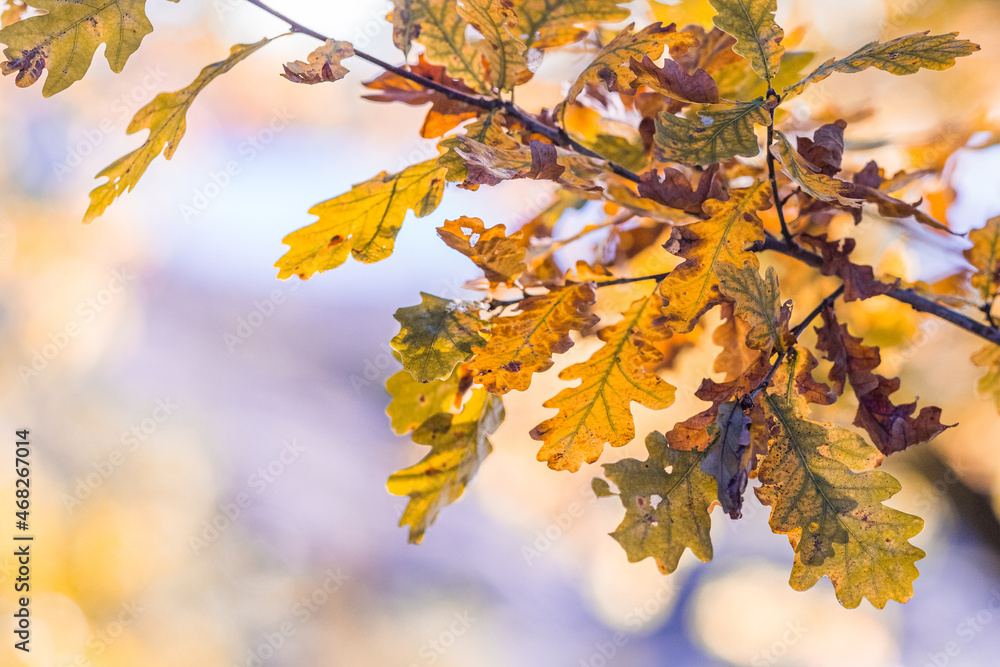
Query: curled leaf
x,y
324,64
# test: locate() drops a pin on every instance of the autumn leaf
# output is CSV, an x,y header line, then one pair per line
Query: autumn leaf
x,y
905,55
504,53
794,377
665,512
727,459
324,64
414,402
445,113
758,303
493,164
524,343
501,257
834,517
892,428
674,189
438,26
984,255
611,65
859,281
731,336
693,287
166,119
812,182
459,444
758,37
362,223
684,12
989,358
672,80
825,149
486,132
65,38
720,132
545,24
13,13
436,336
598,410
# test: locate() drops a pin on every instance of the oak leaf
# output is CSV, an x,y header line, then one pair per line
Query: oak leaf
x,y
809,178
501,257
438,26
665,512
859,280
984,255
673,80
459,444
545,24
720,132
731,336
901,56
758,37
436,336
728,457
598,410
362,223
892,428
503,52
414,402
692,288
757,302
523,344
825,150
611,65
64,39
324,64
834,517
166,119
675,190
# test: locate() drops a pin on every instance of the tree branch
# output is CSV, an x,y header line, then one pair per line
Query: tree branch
x,y
779,203
554,134
904,295
607,283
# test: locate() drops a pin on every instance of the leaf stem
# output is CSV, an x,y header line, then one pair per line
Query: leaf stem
x,y
554,134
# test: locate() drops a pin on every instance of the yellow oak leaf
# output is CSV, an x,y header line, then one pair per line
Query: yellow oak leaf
x,y
64,39
414,402
720,132
459,444
665,512
693,287
758,37
13,13
362,223
545,24
612,63
985,256
441,30
166,119
436,336
501,257
816,185
598,410
684,12
901,56
324,64
834,517
504,53
524,343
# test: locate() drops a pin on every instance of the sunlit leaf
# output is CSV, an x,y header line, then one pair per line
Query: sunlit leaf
x,y
362,223
436,336
815,184
501,257
166,119
665,512
324,64
720,132
758,37
414,402
984,255
758,303
544,24
834,517
504,53
441,30
523,344
459,444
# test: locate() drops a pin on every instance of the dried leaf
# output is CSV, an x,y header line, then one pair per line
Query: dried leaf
x,y
500,257
859,281
362,223
673,81
825,150
675,191
459,444
731,336
324,64
727,459
665,512
815,184
436,336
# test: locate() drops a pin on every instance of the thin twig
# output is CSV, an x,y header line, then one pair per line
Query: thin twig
x,y
904,295
779,203
554,134
607,283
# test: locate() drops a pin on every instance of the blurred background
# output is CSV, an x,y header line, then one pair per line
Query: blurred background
x,y
210,444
